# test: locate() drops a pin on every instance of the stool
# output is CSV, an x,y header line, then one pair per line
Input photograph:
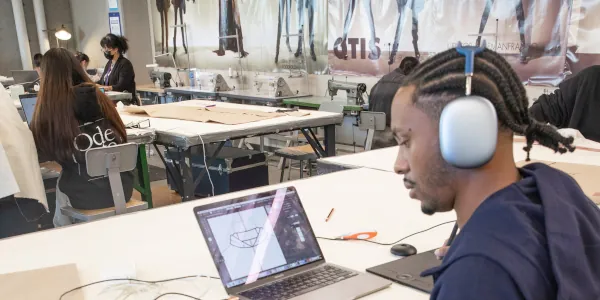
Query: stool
x,y
299,153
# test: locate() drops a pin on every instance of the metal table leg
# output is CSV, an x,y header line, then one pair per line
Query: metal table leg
x,y
187,177
311,138
330,140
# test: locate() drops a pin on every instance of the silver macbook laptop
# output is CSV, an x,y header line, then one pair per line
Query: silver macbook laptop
x,y
264,248
24,76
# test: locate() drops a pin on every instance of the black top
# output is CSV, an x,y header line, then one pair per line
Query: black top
x,y
383,92
380,100
575,104
121,78
87,192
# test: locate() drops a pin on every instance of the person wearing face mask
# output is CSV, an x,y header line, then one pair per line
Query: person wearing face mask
x,y
118,73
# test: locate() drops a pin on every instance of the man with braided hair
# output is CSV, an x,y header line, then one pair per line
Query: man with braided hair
x,y
525,233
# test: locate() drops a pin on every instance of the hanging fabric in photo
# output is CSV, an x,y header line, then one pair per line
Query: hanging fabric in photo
x,y
369,37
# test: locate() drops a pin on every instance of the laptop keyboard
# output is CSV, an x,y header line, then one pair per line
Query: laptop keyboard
x,y
299,284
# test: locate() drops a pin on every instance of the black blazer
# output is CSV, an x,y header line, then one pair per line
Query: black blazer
x,y
122,77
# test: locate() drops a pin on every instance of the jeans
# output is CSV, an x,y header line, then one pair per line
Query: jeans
x,y
21,216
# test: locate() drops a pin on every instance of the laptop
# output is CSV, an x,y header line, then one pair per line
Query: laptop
x,y
28,102
264,248
24,76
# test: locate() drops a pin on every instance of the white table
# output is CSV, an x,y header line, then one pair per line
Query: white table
x,y
186,134
191,91
253,96
174,246
383,159
6,81
182,135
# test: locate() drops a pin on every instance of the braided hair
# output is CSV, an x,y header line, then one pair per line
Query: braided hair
x,y
441,79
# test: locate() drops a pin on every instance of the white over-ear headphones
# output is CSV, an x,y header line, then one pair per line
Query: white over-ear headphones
x,y
469,124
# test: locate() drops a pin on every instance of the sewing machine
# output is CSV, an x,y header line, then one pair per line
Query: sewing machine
x,y
211,82
164,78
272,86
354,91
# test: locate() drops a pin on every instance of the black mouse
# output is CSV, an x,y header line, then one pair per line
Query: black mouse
x,y
403,250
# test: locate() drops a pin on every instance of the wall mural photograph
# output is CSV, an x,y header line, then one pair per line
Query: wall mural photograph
x,y
544,40
220,32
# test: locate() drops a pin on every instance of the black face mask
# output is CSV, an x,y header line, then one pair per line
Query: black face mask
x,y
108,55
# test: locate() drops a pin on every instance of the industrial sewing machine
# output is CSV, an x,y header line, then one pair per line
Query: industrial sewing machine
x,y
211,82
272,86
163,78
354,91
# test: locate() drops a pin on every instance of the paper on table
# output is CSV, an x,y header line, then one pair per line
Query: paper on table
x,y
8,183
229,116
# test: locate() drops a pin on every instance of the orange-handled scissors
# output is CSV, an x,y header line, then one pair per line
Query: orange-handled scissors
x,y
363,235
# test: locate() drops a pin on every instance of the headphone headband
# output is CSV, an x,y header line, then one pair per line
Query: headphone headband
x,y
468,124
469,52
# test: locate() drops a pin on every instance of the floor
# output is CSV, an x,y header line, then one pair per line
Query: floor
x,y
162,195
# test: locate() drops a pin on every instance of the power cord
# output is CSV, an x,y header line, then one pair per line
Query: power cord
x,y
135,280
23,214
388,244
178,294
212,185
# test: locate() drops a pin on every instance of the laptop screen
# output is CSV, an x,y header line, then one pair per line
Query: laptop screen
x,y
28,103
258,236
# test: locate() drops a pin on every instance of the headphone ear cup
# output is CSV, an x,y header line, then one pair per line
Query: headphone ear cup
x,y
468,132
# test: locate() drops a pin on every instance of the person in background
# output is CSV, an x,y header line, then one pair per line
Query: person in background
x,y
575,104
525,233
118,74
23,205
37,62
381,96
72,116
84,60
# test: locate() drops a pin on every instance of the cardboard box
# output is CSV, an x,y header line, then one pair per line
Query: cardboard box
x,y
587,176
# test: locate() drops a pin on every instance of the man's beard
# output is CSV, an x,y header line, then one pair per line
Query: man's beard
x,y
429,207
440,176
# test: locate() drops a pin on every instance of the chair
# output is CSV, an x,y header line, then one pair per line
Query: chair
x,y
371,121
109,161
305,152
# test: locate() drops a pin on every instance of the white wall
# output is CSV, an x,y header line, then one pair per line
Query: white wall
x,y
136,27
90,19
10,57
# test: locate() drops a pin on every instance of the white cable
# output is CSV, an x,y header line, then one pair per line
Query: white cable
x,y
212,185
206,166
